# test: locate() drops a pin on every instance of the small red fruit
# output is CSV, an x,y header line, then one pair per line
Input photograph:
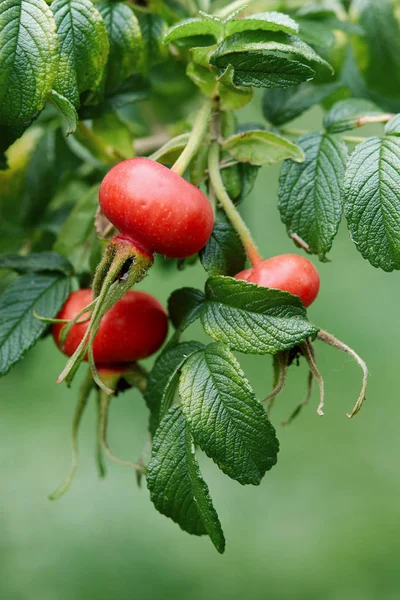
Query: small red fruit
x,y
134,328
289,273
155,208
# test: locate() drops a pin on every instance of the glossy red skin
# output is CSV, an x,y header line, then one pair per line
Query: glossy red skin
x,y
287,272
156,208
134,328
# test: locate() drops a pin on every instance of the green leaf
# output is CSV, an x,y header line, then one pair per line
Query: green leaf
x,y
378,51
176,486
67,111
346,114
268,21
194,27
166,365
392,127
372,203
169,152
225,418
79,224
317,33
283,105
204,78
310,194
83,48
253,319
19,329
37,262
224,253
259,147
28,45
264,59
42,175
184,307
153,29
125,40
115,133
134,89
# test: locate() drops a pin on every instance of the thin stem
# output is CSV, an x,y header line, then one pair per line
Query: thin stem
x,y
297,410
331,340
83,398
280,369
228,206
308,350
200,128
367,119
104,409
99,449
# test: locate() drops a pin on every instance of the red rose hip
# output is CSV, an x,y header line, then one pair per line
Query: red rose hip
x,y
287,272
134,328
156,208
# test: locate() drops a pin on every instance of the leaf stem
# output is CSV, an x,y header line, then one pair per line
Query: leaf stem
x,y
83,398
200,128
228,206
331,340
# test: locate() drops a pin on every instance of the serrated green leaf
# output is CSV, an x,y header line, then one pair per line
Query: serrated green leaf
x,y
19,329
176,486
125,40
79,224
283,105
166,365
225,418
83,48
194,27
264,59
28,45
310,194
372,203
169,152
37,262
67,111
184,307
224,253
153,29
259,147
267,21
253,319
346,114
392,127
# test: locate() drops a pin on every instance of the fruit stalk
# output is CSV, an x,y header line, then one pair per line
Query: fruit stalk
x,y
228,206
200,128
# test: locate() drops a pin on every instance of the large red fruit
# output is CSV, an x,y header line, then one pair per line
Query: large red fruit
x,y
134,328
156,208
287,272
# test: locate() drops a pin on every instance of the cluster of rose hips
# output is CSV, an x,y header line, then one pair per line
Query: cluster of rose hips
x,y
155,210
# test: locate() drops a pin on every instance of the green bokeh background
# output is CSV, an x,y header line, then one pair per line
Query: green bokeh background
x,y
324,523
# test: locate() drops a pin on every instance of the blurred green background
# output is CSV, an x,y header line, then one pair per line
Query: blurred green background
x,y
324,523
